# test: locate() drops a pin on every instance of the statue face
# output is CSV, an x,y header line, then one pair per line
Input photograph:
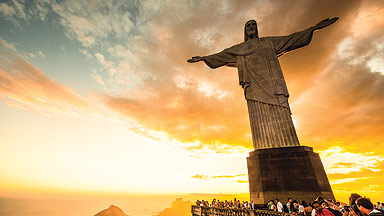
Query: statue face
x,y
251,29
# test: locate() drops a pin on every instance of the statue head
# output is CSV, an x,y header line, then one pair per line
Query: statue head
x,y
250,30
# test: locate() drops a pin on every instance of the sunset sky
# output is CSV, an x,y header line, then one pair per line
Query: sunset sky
x,y
98,97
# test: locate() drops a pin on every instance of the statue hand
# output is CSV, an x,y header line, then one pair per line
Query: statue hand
x,y
195,59
325,23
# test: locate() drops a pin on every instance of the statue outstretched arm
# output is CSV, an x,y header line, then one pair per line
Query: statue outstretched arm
x,y
283,44
195,59
215,60
324,23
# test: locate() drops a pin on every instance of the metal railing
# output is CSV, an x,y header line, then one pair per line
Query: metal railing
x,y
214,211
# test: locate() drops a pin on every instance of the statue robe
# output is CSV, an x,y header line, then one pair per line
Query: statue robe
x,y
264,86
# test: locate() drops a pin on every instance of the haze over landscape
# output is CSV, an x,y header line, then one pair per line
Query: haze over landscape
x,y
97,99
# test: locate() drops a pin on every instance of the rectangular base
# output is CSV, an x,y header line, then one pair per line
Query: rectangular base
x,y
287,172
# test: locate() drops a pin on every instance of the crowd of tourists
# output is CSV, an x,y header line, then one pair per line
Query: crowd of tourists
x,y
358,206
237,204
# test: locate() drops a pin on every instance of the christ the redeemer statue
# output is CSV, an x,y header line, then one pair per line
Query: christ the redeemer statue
x,y
264,86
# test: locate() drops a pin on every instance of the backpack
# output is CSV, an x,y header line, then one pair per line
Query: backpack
x,y
285,209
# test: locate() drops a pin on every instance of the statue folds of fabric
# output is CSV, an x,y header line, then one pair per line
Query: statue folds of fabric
x,y
263,82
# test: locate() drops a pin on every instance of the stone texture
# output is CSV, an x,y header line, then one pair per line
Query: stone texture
x,y
271,125
295,172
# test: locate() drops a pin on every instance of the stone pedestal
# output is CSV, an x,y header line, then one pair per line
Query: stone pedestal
x,y
295,172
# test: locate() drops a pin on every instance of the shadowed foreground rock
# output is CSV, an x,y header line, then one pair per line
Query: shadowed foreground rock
x,y
111,211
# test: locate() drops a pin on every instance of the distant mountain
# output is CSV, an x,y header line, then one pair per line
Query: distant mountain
x,y
112,211
178,208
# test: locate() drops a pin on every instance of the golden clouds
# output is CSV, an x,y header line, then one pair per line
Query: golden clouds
x,y
185,113
345,104
353,172
240,178
337,160
204,177
366,183
201,177
24,86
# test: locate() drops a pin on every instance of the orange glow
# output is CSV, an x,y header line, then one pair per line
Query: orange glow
x,y
131,116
